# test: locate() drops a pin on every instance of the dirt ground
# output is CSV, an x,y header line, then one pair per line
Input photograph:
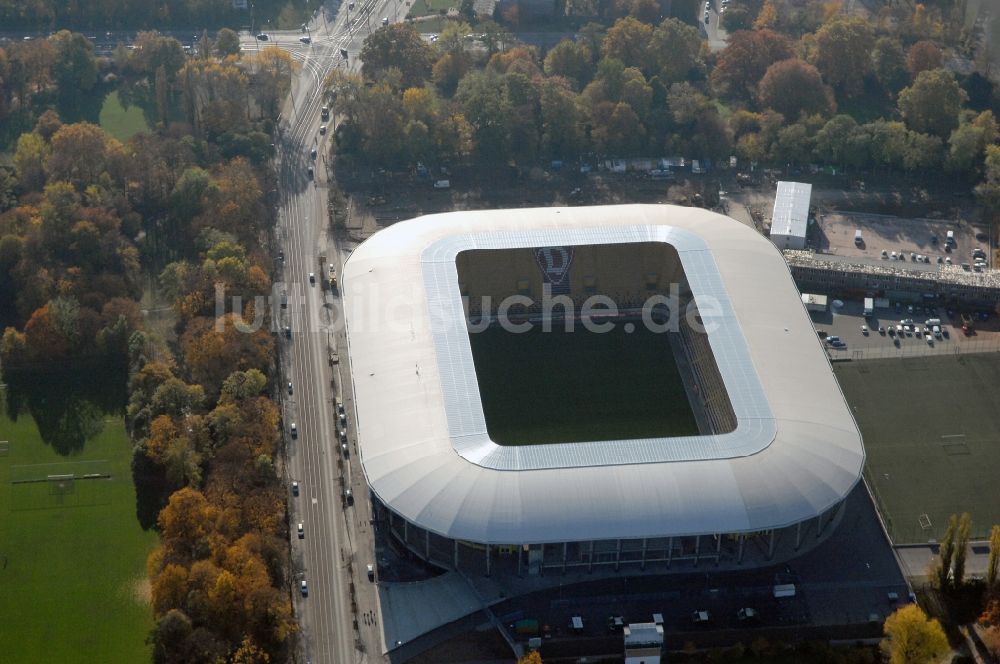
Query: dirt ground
x,y
835,235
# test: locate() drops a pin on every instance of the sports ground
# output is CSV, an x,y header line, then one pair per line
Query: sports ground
x,y
931,427
557,387
72,554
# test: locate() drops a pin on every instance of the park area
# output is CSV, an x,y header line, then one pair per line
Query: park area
x,y
119,121
72,554
931,427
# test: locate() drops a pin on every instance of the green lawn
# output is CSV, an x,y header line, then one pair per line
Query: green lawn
x,y
555,387
120,122
931,428
72,564
427,7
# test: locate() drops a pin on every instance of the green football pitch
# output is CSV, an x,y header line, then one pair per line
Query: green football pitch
x,y
72,554
557,387
931,428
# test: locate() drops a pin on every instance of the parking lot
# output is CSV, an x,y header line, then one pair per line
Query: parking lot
x,y
834,233
845,322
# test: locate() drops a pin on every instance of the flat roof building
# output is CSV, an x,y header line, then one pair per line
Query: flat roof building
x,y
790,218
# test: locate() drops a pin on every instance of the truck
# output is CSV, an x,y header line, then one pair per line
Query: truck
x,y
869,306
814,301
858,240
332,276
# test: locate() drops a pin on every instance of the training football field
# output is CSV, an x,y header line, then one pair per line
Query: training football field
x,y
556,387
931,427
72,554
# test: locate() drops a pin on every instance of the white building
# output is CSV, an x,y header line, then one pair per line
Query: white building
x,y
643,643
454,496
790,218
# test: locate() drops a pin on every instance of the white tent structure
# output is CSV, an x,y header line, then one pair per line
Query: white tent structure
x,y
790,217
794,456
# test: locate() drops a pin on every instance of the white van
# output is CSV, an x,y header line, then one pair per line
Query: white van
x,y
442,184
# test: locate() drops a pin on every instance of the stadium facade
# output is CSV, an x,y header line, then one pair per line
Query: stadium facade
x,y
778,450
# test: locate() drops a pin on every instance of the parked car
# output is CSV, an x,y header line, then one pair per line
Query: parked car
x,y
303,588
295,489
294,431
371,572
263,36
302,531
305,39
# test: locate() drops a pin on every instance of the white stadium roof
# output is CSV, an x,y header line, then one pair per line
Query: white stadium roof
x,y
422,435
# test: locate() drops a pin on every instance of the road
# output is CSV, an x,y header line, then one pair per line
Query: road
x,y
333,531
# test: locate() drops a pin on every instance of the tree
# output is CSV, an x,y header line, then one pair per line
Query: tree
x,y
152,51
617,129
912,638
74,67
83,138
965,146
767,17
889,64
988,191
241,385
745,60
991,565
841,141
674,52
922,56
932,103
843,53
186,522
533,657
961,549
792,87
736,18
561,119
449,70
30,158
214,350
572,60
227,43
628,40
486,107
887,142
946,552
923,151
272,78
397,46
